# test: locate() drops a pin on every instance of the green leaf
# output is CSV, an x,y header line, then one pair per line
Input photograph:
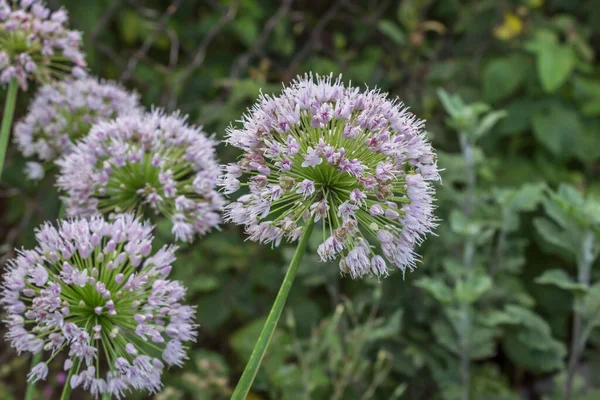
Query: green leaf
x,y
587,148
445,336
471,289
553,235
527,197
451,103
461,225
390,328
542,40
436,288
503,76
555,64
519,115
488,122
391,30
557,128
588,93
204,283
561,279
530,344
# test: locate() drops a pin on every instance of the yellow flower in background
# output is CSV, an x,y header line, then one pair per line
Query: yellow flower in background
x,y
511,27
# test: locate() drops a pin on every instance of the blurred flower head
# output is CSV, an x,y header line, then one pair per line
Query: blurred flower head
x,y
353,159
36,45
63,112
92,297
155,164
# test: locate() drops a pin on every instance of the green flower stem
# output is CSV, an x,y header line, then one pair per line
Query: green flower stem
x,y
62,214
245,383
9,110
66,393
30,385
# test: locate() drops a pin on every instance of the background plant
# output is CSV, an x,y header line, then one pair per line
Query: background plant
x,y
533,59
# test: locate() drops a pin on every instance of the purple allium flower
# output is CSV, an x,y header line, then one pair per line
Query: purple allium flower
x,y
353,159
152,163
35,43
116,334
63,112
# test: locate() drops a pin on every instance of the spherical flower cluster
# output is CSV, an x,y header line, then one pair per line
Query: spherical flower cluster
x,y
35,44
151,163
64,112
92,297
354,160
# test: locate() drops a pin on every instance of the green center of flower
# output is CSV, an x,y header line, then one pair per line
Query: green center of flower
x,y
47,68
144,182
16,42
330,182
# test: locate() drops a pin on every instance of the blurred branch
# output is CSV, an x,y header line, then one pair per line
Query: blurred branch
x,y
200,52
104,20
160,27
242,61
314,36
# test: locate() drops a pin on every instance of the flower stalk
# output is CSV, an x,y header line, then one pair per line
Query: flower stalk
x,y
7,117
579,333
260,348
30,385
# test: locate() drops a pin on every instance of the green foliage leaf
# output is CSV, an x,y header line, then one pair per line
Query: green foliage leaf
x,y
560,279
557,128
389,329
588,92
462,225
471,289
205,283
527,197
487,123
436,288
529,342
503,76
555,64
392,30
553,235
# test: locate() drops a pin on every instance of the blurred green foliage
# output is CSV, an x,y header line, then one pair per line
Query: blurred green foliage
x,y
492,310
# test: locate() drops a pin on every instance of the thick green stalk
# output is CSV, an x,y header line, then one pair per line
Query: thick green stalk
x,y
30,385
245,383
7,117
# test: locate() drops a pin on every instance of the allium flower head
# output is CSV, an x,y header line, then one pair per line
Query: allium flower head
x,y
63,112
35,43
152,163
93,299
352,159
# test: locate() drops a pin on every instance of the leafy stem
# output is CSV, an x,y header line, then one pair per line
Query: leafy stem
x,y
579,333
